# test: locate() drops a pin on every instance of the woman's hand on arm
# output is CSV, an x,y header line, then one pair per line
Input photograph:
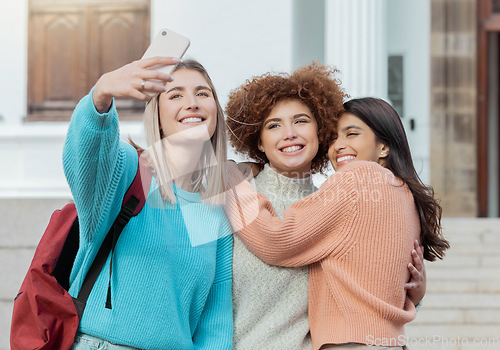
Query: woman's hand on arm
x,y
416,286
127,81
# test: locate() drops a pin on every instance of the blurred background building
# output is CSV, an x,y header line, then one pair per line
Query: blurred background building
x,y
436,61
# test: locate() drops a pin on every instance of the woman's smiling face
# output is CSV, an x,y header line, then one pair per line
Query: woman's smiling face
x,y
355,141
289,138
188,102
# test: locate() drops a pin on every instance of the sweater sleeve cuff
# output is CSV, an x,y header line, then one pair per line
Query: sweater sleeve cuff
x,y
101,121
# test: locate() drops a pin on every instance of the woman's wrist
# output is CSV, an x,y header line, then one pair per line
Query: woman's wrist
x,y
102,101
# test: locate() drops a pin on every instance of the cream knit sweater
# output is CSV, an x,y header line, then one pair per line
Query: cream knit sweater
x,y
357,233
270,302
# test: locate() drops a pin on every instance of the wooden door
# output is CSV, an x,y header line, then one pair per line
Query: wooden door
x,y
71,44
488,12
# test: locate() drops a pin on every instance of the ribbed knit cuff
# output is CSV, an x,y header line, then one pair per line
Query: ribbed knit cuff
x,y
101,121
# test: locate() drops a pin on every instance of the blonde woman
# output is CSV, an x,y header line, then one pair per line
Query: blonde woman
x,y
170,281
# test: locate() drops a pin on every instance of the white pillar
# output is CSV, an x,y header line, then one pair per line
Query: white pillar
x,y
308,32
13,67
356,45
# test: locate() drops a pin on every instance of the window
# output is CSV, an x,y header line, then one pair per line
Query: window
x,y
72,43
496,6
395,83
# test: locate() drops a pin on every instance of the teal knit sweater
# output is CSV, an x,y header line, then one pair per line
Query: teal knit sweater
x,y
168,292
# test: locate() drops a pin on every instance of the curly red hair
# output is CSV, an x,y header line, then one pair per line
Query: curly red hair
x,y
249,105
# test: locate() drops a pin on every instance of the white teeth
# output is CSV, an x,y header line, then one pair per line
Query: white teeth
x,y
291,149
344,158
191,120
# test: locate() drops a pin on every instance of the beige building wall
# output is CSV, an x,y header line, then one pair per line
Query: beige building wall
x,y
453,106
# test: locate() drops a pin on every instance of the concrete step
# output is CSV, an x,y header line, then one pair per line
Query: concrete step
x,y
27,221
474,249
440,286
5,317
459,261
15,263
488,237
471,229
462,300
464,315
463,274
462,225
461,310
452,337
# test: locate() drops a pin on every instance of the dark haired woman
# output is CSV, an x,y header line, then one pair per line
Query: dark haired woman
x,y
355,232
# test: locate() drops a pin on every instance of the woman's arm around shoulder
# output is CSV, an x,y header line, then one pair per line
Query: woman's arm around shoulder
x,y
312,229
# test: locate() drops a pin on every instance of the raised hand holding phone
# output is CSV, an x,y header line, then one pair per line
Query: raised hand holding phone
x,y
144,78
167,43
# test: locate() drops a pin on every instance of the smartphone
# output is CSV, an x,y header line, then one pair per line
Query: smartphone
x,y
167,43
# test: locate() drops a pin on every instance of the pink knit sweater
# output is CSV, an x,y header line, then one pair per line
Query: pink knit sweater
x,y
356,233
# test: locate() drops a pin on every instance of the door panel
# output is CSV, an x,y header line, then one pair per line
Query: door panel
x,y
72,44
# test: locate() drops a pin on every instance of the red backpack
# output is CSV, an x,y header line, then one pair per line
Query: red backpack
x,y
45,316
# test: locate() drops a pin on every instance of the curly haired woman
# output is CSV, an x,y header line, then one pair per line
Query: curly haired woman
x,y
285,123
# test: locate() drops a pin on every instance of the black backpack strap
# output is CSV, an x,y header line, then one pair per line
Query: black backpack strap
x,y
121,221
133,202
65,261
107,247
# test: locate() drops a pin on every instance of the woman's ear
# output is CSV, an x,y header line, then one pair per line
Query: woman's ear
x,y
384,151
260,146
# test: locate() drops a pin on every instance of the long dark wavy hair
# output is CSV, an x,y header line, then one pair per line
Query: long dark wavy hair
x,y
388,128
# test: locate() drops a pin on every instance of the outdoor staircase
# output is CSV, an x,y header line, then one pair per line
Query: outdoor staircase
x,y
461,309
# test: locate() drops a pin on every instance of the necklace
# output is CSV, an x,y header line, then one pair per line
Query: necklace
x,y
283,207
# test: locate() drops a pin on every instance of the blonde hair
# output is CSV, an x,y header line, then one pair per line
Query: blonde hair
x,y
209,180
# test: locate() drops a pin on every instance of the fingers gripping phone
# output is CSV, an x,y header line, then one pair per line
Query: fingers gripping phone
x,y
167,43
